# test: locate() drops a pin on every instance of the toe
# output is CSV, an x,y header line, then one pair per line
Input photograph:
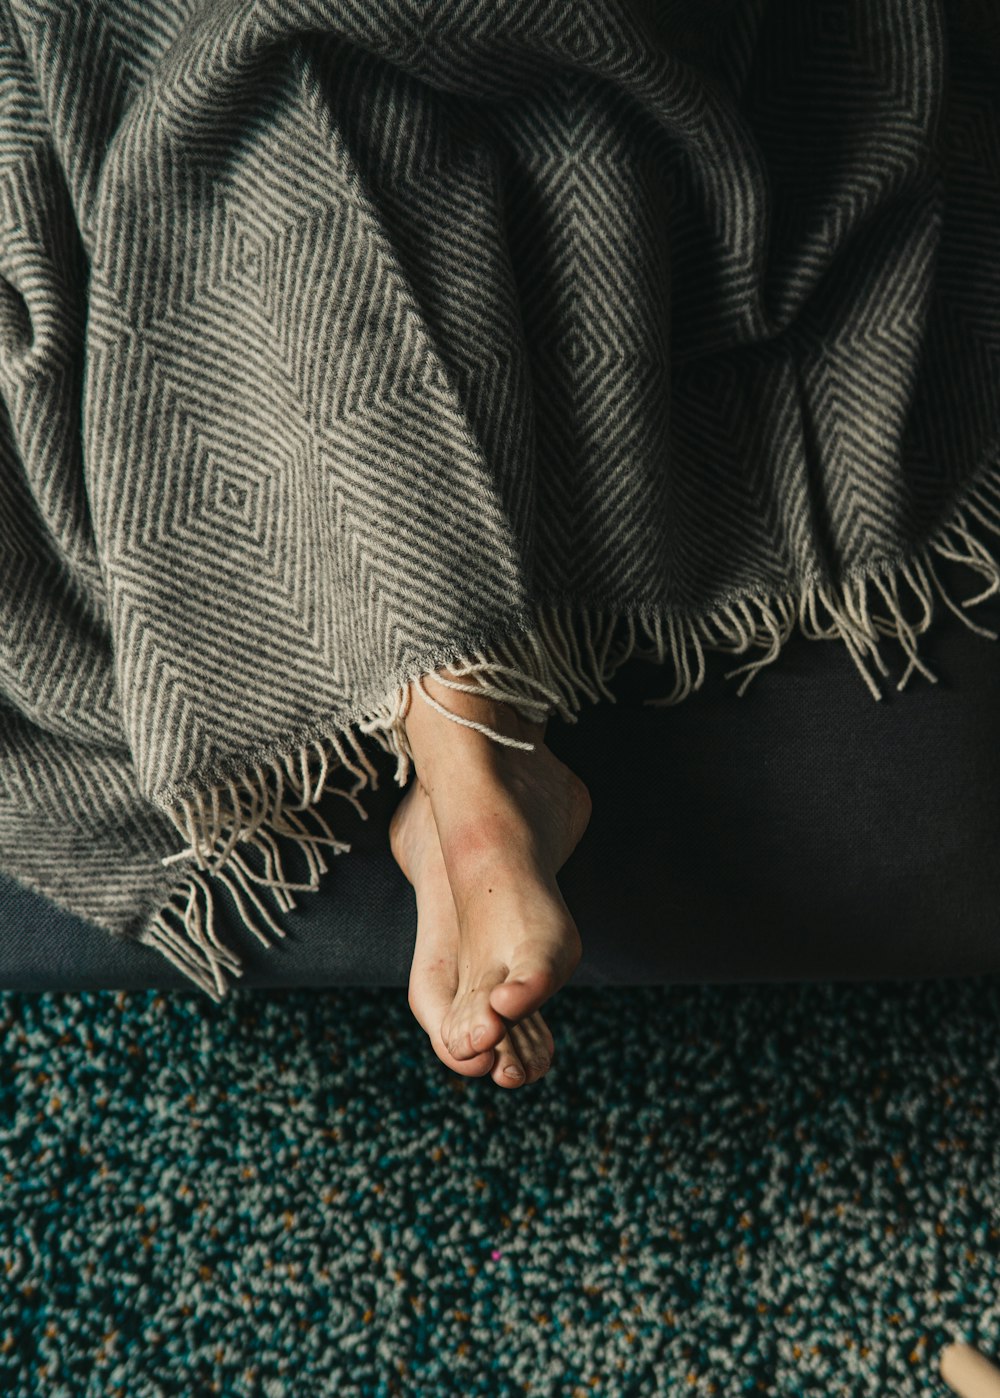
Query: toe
x,y
471,1013
475,1067
538,968
431,992
522,994
524,1054
427,1011
508,1070
534,1046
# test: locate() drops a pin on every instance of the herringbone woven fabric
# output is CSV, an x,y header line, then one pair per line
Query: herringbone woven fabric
x,y
341,341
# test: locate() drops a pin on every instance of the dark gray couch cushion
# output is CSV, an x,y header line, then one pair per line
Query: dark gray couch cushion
x,y
803,831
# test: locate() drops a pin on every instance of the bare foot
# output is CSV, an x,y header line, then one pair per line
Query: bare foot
x,y
526,1050
506,821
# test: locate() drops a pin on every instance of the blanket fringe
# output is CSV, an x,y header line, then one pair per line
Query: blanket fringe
x,y
572,651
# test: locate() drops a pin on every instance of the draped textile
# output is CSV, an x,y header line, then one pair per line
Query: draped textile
x,y
341,341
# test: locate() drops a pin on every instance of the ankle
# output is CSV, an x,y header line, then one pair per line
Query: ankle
x,y
436,739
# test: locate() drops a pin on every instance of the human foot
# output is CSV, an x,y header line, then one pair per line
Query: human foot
x,y
506,820
525,1052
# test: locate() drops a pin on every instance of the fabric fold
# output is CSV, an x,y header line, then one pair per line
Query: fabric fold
x,y
339,344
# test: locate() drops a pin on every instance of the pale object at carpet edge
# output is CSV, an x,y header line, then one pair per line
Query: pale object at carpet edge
x,y
969,1373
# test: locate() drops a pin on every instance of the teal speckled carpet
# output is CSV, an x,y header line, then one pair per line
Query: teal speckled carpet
x,y
716,1190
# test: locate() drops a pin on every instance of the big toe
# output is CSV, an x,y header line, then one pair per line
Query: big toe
x,y
432,990
472,1024
533,978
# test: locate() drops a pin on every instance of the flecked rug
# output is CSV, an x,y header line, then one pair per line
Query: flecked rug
x,y
777,1189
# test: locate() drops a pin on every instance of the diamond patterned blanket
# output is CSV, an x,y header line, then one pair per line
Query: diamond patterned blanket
x,y
344,339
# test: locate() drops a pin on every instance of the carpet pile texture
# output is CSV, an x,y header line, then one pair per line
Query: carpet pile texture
x,y
766,1189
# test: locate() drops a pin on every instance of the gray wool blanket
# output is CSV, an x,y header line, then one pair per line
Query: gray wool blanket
x,y
342,341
